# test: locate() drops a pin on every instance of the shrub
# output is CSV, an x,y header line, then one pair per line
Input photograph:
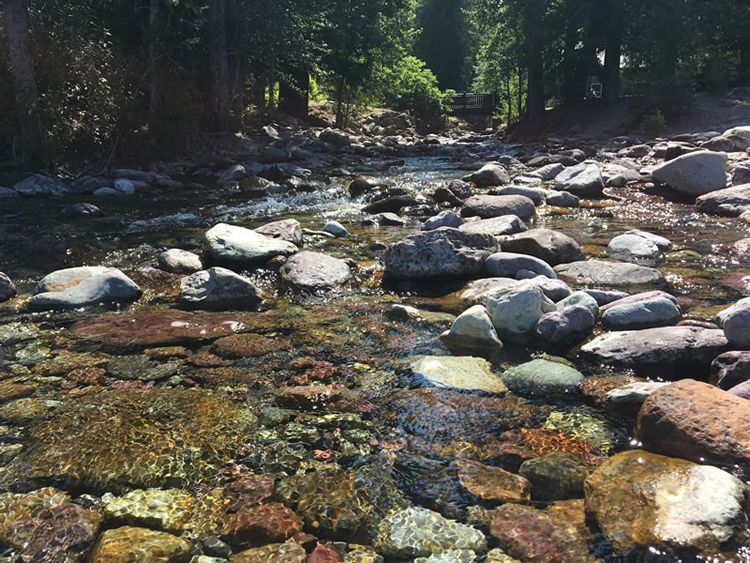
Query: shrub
x,y
654,124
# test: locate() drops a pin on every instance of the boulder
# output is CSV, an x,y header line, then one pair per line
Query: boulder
x,y
648,313
582,180
741,174
40,185
515,311
7,288
634,249
662,243
177,261
229,245
288,230
508,265
561,330
675,350
603,297
555,289
730,202
695,174
742,390
218,289
633,395
608,274
542,378
737,326
492,174
548,172
313,271
496,226
489,206
642,501
730,369
579,299
442,252
472,330
79,287
536,195
443,219
458,372
742,131
562,199
551,246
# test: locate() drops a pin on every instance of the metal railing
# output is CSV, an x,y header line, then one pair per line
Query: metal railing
x,y
473,103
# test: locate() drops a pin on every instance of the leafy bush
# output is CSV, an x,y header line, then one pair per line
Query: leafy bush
x,y
654,124
410,85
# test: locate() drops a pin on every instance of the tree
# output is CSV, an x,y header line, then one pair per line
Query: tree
x,y
533,22
24,81
613,51
218,61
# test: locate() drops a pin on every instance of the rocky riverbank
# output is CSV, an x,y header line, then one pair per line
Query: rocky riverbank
x,y
381,348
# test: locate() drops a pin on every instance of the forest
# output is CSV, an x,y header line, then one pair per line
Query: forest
x,y
86,77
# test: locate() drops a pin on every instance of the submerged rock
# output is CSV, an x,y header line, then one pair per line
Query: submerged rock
x,y
643,501
262,524
80,287
443,252
140,544
678,350
230,245
542,378
419,532
153,438
219,289
493,484
313,271
288,552
704,423
695,174
466,373
555,476
168,510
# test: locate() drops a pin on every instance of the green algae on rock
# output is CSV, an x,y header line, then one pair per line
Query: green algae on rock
x,y
116,440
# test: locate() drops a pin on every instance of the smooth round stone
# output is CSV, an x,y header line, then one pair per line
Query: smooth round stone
x,y
550,246
662,243
232,245
7,288
388,220
580,299
219,289
603,297
543,378
534,194
562,199
496,226
124,186
313,271
80,287
177,261
696,173
555,289
633,395
634,249
443,219
456,372
336,229
658,311
491,174
472,329
555,476
516,311
730,369
289,230
508,264
737,327
561,330
607,274
489,206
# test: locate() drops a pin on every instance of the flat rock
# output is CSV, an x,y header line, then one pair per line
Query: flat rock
x,y
696,421
489,206
162,509
313,271
140,544
493,484
665,350
219,289
443,252
654,312
644,501
634,249
551,246
730,202
288,230
230,245
458,372
509,264
696,173
496,226
542,378
608,274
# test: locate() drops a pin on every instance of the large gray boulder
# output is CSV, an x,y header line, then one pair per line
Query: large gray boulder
x,y
488,206
445,218
737,326
696,173
79,287
497,226
537,195
313,271
561,330
219,289
288,230
741,174
583,180
442,252
649,313
674,350
7,288
492,174
551,246
634,249
607,274
40,185
508,265
730,202
231,245
516,311
730,369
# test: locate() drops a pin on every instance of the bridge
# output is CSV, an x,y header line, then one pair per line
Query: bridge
x,y
471,103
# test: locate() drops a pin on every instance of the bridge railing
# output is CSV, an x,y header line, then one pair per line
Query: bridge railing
x,y
473,103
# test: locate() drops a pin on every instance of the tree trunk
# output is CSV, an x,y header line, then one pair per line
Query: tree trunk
x,y
534,21
294,98
153,55
218,62
24,82
613,53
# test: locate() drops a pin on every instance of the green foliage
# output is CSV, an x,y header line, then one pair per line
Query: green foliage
x,y
654,124
410,85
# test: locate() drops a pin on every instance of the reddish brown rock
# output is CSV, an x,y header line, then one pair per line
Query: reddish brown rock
x,y
315,397
493,483
248,346
696,421
84,377
527,443
324,554
262,524
247,491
